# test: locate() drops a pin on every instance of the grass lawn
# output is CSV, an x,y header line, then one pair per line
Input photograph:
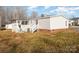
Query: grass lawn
x,y
41,41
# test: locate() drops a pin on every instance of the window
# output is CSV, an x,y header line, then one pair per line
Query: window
x,y
24,22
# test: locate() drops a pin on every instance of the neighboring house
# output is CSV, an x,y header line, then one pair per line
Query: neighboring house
x,y
53,22
23,25
71,22
75,21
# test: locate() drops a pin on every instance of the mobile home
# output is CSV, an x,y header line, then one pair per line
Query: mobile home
x,y
53,22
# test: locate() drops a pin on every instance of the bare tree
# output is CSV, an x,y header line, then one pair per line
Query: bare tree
x,y
42,15
34,14
9,13
2,15
19,13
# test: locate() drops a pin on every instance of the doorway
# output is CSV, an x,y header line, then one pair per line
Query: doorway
x,y
28,29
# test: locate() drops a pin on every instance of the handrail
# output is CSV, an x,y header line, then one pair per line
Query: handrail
x,y
34,28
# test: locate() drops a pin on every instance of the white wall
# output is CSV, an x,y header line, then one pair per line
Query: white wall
x,y
59,22
44,23
24,28
8,26
78,21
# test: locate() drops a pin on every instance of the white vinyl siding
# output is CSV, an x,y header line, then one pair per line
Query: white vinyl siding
x,y
59,23
44,23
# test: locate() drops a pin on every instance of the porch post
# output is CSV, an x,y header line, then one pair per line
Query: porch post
x,y
31,26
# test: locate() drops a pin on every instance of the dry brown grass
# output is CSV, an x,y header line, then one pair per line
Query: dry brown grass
x,y
41,41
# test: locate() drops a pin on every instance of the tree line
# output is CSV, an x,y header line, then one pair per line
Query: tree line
x,y
17,12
